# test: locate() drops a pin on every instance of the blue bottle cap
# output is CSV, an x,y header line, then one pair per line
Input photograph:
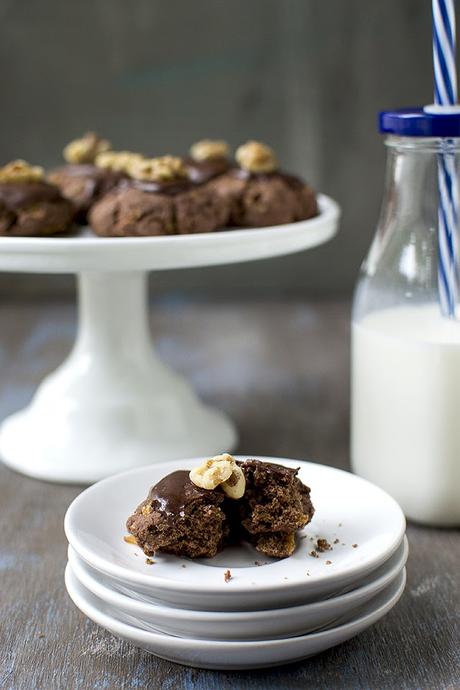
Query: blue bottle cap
x,y
430,121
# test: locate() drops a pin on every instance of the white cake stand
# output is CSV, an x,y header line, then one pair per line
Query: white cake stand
x,y
112,405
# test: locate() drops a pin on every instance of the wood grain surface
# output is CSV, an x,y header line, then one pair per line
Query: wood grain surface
x,y
281,370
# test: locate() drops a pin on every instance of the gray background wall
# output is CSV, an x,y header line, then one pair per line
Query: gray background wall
x,y
307,76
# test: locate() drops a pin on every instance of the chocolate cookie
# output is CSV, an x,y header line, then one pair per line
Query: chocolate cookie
x,y
181,518
274,506
83,185
29,206
220,502
259,194
92,171
159,199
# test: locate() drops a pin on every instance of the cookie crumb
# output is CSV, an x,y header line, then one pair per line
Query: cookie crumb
x,y
354,546
129,539
323,545
257,563
336,541
328,562
227,576
149,561
314,554
308,573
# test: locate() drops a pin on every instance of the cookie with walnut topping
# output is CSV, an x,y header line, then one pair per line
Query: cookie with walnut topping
x,y
259,194
208,159
30,206
220,502
157,199
92,171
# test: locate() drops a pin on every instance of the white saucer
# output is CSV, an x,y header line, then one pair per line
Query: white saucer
x,y
233,655
239,625
367,522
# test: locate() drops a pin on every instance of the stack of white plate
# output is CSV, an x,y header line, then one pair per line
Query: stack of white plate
x,y
264,612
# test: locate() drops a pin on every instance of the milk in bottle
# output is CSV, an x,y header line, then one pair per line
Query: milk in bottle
x,y
405,426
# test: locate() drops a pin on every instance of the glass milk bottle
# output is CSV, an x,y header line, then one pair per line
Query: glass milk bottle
x,y
405,434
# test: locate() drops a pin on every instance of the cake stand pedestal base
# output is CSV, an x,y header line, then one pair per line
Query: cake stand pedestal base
x,y
112,405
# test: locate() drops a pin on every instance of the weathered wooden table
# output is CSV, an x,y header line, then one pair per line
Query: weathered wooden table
x,y
281,370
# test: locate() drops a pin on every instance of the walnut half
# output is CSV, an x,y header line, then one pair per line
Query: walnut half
x,y
20,171
85,149
223,471
117,161
207,149
256,157
163,169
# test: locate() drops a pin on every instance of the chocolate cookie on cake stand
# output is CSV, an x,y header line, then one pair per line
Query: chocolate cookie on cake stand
x,y
92,170
158,198
259,194
113,405
29,205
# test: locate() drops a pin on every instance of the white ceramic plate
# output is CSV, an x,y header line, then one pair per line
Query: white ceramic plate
x,y
239,625
348,509
233,655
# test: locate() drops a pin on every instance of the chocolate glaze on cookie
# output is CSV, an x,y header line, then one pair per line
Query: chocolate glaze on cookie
x,y
201,172
17,195
169,187
175,492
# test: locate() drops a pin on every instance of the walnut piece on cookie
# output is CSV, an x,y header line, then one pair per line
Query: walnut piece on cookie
x,y
162,169
255,157
206,149
85,149
117,161
19,171
222,471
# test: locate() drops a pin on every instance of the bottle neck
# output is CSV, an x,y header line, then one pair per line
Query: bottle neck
x,y
411,164
409,212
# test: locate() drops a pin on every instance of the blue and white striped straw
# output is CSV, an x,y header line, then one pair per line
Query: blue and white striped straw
x,y
445,94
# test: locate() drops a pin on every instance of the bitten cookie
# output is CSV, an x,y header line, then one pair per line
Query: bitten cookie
x,y
29,205
92,171
158,199
220,502
259,194
275,505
